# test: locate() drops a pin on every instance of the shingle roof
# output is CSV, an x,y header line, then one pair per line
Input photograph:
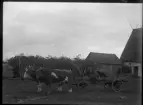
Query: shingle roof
x,y
103,58
133,49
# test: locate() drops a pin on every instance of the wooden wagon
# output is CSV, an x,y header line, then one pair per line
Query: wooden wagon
x,y
116,83
110,77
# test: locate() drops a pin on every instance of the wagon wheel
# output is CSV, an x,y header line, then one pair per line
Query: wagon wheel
x,y
116,84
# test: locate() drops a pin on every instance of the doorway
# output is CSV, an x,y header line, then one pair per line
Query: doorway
x,y
136,70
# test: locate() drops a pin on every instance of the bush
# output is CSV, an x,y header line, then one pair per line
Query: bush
x,y
38,61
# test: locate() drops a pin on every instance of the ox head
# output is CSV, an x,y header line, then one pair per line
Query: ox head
x,y
29,73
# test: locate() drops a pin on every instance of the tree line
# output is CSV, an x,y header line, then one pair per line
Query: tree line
x,y
19,62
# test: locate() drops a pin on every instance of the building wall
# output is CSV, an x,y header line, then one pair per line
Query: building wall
x,y
115,70
110,70
132,67
115,67
140,71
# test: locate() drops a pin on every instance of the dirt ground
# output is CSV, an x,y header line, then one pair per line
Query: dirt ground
x,y
17,91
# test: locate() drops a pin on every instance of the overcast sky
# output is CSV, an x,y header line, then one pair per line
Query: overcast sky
x,y
69,28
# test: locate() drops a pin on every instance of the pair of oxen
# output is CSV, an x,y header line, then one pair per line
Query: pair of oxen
x,y
49,76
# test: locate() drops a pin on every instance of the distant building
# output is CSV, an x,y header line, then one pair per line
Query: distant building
x,y
132,53
108,62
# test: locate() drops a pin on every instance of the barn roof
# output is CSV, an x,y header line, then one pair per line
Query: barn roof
x,y
103,58
133,49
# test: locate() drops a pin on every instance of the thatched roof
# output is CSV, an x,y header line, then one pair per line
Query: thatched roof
x,y
103,58
133,49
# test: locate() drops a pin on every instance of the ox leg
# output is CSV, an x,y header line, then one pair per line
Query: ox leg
x,y
77,84
60,88
50,90
39,87
70,90
70,87
69,82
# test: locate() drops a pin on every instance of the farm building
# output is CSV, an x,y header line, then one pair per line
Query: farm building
x,y
132,53
108,62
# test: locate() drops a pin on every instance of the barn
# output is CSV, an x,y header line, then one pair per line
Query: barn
x,y
132,53
108,62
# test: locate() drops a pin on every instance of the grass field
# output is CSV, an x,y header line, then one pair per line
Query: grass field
x,y
17,91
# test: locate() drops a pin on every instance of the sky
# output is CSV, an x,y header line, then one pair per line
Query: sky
x,y
67,29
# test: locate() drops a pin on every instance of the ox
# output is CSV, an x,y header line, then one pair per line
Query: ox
x,y
49,76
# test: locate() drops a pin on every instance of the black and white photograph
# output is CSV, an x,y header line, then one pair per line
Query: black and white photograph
x,y
78,53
